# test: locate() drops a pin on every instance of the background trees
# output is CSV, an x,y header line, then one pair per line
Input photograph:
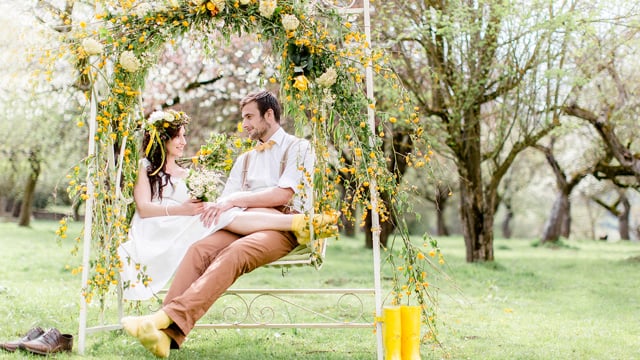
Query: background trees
x,y
492,81
477,71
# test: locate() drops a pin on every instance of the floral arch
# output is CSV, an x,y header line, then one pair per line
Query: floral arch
x,y
322,74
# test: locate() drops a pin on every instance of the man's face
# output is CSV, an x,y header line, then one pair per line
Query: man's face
x,y
255,125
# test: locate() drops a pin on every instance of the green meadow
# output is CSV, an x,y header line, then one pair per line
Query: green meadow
x,y
580,300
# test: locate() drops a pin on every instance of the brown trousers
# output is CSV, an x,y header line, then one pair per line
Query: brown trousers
x,y
210,267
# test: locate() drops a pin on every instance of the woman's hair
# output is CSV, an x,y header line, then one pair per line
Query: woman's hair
x,y
265,101
161,127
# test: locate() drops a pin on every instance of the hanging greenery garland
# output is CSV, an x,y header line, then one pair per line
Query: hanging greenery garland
x,y
321,75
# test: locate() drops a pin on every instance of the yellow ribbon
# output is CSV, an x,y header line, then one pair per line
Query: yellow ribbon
x,y
153,136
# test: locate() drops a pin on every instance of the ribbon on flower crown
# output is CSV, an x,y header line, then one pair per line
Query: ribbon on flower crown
x,y
153,136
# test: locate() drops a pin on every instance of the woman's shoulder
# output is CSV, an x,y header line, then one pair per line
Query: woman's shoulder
x,y
144,162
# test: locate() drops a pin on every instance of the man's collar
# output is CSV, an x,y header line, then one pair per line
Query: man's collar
x,y
278,136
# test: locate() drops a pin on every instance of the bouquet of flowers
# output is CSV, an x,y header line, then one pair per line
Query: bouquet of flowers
x,y
205,184
212,164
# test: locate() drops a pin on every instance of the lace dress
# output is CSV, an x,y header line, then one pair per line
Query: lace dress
x,y
156,245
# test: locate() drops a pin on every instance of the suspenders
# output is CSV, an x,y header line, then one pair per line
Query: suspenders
x,y
245,165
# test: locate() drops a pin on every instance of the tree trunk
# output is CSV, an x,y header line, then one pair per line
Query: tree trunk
x,y
442,195
565,229
621,214
506,222
554,224
348,227
16,206
29,191
476,216
441,224
623,217
76,210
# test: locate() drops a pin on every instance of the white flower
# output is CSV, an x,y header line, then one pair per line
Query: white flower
x,y
328,78
267,7
142,9
160,116
129,61
197,2
175,3
205,184
245,2
219,4
290,22
328,99
92,46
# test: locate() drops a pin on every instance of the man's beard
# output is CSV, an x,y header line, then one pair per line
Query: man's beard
x,y
258,134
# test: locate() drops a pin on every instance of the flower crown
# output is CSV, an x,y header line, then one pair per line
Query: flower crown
x,y
157,124
159,120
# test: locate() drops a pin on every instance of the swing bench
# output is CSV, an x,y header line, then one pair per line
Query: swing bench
x,y
245,307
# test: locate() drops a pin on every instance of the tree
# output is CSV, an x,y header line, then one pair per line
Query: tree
x,y
605,81
621,209
35,114
559,220
477,72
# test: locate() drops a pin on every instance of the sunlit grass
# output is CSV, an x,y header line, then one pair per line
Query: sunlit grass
x,y
579,301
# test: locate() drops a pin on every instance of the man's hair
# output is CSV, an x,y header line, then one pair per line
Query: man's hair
x,y
265,101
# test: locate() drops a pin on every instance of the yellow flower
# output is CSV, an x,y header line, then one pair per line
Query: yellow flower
x,y
301,83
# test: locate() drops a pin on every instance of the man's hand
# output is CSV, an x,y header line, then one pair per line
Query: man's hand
x,y
212,212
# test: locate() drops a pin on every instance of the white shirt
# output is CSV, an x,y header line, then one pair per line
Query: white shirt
x,y
264,169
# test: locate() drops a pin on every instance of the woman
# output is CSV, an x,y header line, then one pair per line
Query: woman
x,y
167,221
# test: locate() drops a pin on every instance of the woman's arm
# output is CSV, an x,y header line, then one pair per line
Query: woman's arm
x,y
146,208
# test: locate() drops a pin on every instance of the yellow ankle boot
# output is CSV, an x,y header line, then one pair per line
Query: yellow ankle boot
x,y
392,330
411,319
324,226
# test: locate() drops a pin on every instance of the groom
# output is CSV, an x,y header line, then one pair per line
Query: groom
x,y
265,178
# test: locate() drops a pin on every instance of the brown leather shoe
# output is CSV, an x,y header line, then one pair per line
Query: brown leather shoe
x,y
32,334
51,342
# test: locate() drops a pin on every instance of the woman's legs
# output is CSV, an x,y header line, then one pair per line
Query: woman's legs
x,y
253,220
248,222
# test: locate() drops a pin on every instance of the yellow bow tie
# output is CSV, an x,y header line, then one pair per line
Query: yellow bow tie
x,y
265,146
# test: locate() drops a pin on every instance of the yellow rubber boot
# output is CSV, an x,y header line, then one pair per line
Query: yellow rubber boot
x,y
392,332
411,319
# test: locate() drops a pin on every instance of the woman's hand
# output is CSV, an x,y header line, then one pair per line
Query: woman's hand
x,y
193,207
212,212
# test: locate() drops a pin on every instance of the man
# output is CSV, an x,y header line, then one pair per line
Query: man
x,y
266,178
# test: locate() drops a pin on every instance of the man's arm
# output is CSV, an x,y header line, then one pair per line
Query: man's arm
x,y
266,198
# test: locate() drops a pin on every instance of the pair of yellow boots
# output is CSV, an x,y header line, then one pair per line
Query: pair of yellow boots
x,y
401,332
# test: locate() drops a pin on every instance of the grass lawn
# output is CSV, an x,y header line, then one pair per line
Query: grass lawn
x,y
580,301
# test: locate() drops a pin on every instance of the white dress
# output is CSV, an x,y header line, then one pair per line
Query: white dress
x,y
157,244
